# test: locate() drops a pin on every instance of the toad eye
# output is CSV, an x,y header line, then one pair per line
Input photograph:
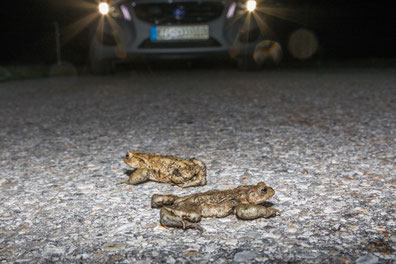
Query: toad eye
x,y
264,191
128,155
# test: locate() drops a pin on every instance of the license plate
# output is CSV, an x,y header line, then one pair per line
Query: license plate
x,y
194,32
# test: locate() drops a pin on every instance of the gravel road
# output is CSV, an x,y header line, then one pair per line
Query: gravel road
x,y
325,140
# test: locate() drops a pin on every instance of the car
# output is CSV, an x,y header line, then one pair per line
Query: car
x,y
131,30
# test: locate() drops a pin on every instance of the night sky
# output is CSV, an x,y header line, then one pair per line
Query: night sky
x,y
347,28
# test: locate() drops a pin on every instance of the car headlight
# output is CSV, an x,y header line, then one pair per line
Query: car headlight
x,y
108,9
104,8
243,7
251,5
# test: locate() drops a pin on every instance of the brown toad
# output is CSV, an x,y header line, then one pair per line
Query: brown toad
x,y
169,169
186,211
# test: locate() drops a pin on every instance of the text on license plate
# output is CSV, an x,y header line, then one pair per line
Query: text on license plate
x,y
192,32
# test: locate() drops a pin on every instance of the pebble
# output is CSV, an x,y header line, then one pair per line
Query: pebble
x,y
52,250
367,259
244,256
113,246
210,248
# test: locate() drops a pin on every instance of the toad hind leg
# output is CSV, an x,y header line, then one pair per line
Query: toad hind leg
x,y
138,176
178,179
199,177
253,211
168,218
200,180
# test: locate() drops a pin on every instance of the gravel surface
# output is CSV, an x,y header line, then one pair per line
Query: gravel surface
x,y
324,140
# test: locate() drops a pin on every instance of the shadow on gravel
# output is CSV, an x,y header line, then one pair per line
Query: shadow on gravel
x,y
23,72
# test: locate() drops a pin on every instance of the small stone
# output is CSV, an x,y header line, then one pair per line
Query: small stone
x,y
386,233
232,242
141,262
51,250
367,259
170,260
23,261
353,228
345,260
115,258
192,253
113,246
210,248
244,256
123,228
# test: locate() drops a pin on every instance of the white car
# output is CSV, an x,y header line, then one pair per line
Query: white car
x,y
173,29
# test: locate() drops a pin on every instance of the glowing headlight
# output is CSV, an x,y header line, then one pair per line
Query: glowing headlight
x,y
104,8
251,5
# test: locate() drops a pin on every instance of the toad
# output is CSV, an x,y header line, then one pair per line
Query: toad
x,y
168,169
186,211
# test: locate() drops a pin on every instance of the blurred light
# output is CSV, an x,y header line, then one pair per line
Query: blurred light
x,y
251,5
125,13
303,44
104,8
231,10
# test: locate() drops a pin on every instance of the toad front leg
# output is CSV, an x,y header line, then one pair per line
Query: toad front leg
x,y
159,200
253,211
179,218
138,176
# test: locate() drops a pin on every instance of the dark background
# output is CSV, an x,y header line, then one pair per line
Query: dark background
x,y
345,29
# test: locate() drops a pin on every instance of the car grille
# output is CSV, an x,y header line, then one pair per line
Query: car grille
x,y
179,12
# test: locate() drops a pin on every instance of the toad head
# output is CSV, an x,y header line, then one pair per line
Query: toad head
x,y
259,193
135,159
